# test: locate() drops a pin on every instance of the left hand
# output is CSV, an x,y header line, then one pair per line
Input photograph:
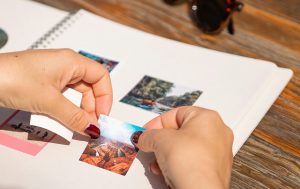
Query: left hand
x,y
33,81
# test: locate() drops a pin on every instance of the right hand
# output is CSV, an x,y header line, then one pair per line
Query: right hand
x,y
193,148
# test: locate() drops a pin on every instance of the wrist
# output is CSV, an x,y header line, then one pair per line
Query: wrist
x,y
194,176
6,82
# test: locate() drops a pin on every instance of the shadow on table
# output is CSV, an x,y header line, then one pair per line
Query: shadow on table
x,y
157,182
17,124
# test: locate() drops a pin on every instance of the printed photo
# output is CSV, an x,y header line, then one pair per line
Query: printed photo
x,y
113,150
108,64
16,133
159,96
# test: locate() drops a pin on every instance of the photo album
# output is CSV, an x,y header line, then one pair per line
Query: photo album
x,y
150,75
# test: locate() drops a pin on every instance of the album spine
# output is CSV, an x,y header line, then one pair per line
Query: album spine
x,y
56,31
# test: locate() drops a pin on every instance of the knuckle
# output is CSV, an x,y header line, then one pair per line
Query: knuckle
x,y
104,72
66,52
194,109
230,134
194,112
213,114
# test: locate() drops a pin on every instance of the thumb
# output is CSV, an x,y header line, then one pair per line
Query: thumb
x,y
69,114
150,140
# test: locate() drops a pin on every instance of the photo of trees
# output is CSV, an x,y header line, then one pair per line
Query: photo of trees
x,y
158,96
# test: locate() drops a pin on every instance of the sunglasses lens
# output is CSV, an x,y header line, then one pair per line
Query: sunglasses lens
x,y
209,14
173,2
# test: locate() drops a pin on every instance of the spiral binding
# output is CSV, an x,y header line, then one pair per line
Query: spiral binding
x,y
55,32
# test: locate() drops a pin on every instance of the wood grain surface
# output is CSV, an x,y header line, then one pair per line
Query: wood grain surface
x,y
268,30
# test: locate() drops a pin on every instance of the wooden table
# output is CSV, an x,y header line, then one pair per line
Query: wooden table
x,y
267,30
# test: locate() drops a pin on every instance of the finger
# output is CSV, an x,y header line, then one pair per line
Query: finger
x,y
149,140
154,168
88,103
103,99
81,86
88,100
162,128
98,76
69,114
171,119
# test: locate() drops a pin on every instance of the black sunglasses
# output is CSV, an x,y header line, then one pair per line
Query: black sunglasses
x,y
212,16
3,38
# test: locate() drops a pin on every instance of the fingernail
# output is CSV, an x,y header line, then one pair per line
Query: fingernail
x,y
93,131
135,137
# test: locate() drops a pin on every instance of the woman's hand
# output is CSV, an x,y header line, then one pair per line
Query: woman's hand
x,y
34,80
193,148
